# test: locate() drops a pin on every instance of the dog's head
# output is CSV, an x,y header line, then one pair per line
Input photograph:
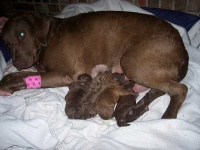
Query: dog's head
x,y
24,35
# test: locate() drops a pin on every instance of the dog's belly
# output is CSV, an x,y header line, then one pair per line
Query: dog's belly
x,y
103,68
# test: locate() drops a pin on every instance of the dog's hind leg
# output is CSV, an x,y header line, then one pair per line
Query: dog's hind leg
x,y
157,72
177,92
175,102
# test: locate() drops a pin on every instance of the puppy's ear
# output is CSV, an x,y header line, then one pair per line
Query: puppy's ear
x,y
40,27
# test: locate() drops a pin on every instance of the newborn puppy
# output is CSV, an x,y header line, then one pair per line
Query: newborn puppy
x,y
127,111
104,92
75,95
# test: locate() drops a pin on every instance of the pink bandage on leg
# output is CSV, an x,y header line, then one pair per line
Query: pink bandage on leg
x,y
33,82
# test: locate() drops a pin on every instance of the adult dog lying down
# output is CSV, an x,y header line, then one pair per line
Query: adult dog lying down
x,y
146,49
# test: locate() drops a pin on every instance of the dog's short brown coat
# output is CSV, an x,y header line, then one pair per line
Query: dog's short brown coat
x,y
147,49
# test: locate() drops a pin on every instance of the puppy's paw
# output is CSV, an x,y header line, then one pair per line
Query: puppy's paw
x,y
88,111
72,112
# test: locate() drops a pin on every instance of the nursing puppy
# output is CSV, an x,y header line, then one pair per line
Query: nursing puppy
x,y
148,50
75,95
127,111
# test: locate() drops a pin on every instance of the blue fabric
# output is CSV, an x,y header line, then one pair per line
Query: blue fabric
x,y
183,19
5,50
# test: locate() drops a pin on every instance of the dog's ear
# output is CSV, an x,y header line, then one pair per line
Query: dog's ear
x,y
40,27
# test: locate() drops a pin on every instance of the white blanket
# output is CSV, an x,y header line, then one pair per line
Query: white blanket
x,y
35,119
194,35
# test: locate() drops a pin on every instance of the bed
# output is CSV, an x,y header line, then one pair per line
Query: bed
x,y
35,118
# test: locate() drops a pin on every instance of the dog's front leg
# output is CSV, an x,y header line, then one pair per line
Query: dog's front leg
x,y
55,79
23,80
15,81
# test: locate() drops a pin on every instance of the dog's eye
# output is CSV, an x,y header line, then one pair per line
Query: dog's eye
x,y
22,34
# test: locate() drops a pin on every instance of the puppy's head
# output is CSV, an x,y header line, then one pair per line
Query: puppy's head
x,y
24,35
127,110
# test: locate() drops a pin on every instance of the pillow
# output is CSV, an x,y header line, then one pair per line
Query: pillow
x,y
183,19
5,50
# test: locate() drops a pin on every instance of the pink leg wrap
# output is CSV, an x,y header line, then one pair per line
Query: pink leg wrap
x,y
33,82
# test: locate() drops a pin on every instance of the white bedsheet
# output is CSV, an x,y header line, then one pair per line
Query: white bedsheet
x,y
194,35
35,119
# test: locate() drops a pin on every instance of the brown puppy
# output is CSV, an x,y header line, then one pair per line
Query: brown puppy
x,y
127,111
74,96
148,50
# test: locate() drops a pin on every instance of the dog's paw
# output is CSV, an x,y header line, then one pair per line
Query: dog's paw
x,y
169,115
4,93
15,81
11,83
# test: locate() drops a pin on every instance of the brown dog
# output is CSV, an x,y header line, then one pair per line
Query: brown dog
x,y
148,50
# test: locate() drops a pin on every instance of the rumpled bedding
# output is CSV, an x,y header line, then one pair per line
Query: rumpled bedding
x,y
35,118
194,35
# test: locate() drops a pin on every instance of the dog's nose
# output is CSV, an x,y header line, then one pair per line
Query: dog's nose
x,y
19,65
